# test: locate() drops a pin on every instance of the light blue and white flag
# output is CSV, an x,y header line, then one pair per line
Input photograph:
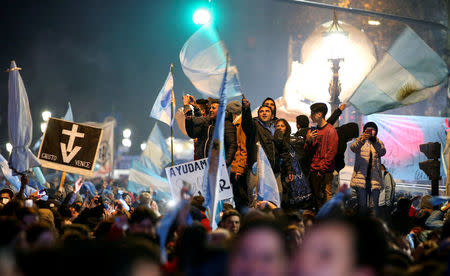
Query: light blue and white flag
x,y
7,172
203,59
69,115
39,177
267,188
408,73
90,188
214,175
20,124
164,226
163,109
156,155
143,179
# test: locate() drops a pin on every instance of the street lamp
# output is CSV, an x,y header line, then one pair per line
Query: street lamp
x,y
46,115
43,126
126,133
143,146
9,147
336,40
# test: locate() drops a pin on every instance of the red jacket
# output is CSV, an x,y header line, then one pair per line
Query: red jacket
x,y
323,149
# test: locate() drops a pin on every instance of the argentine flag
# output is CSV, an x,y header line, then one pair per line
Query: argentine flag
x,y
267,188
216,159
143,179
203,60
408,73
156,155
162,107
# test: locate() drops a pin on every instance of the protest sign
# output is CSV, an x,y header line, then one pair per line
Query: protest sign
x,y
70,147
192,173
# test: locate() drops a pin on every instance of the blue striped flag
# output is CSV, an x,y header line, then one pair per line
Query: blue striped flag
x,y
216,159
156,155
408,73
204,59
163,109
267,183
143,179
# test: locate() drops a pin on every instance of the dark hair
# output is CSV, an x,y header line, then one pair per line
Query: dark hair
x,y
141,213
287,133
213,101
203,105
262,222
35,230
274,112
8,191
369,239
371,125
319,107
230,213
302,121
265,106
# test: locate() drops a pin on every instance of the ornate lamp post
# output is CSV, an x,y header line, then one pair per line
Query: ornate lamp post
x,y
336,40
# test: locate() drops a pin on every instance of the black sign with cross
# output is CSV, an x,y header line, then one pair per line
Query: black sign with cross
x,y
70,147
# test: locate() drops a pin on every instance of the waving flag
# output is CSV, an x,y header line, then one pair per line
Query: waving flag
x,y
408,73
12,179
156,155
19,123
216,159
267,183
166,223
105,159
203,59
143,179
69,115
163,109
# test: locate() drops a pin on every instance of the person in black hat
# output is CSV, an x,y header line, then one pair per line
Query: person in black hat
x,y
367,176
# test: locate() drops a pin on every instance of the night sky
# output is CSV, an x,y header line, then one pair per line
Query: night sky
x,y
112,57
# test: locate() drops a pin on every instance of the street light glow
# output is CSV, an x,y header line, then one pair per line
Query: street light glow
x,y
201,17
126,142
9,147
46,115
126,133
143,146
374,22
43,126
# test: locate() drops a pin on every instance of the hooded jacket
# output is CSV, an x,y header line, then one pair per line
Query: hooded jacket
x,y
256,132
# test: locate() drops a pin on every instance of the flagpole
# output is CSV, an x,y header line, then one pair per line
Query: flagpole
x,y
171,116
61,183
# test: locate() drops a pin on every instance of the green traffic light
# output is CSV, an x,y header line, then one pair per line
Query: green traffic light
x,y
201,17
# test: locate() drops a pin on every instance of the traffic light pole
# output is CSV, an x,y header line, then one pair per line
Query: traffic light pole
x,y
434,187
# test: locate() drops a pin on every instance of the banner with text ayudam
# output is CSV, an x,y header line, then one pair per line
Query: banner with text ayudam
x,y
192,173
70,147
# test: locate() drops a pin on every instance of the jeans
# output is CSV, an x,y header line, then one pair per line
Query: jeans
x,y
363,197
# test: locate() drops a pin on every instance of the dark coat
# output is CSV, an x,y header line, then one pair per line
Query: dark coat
x,y
256,132
202,129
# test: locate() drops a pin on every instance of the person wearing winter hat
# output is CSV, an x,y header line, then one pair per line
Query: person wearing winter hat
x,y
367,176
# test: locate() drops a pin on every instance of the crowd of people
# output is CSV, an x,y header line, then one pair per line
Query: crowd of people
x,y
321,227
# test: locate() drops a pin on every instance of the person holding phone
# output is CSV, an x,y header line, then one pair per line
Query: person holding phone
x,y
321,145
367,178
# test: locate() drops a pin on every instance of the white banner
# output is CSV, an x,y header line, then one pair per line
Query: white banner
x,y
105,158
192,173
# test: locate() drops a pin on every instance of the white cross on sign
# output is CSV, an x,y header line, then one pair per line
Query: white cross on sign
x,y
68,151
